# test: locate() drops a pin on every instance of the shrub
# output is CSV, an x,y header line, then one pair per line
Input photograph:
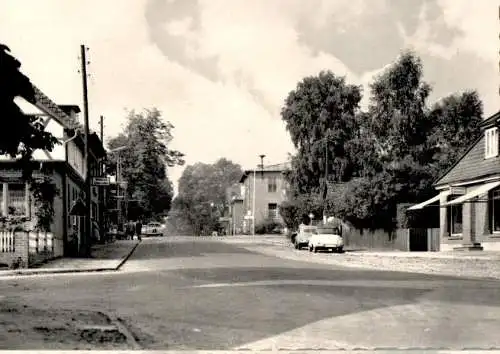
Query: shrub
x,y
267,227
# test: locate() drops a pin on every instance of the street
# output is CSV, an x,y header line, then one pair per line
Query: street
x,y
188,293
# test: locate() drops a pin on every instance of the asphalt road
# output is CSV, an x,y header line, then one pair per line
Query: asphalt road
x,y
198,294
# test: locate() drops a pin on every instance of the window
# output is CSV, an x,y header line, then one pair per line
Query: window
x,y
454,217
272,185
272,211
16,201
495,211
491,143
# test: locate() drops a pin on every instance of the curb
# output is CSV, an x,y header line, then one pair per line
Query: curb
x,y
122,262
71,270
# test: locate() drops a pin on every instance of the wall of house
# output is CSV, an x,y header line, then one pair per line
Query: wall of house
x,y
490,241
237,216
76,158
58,225
476,225
262,196
73,223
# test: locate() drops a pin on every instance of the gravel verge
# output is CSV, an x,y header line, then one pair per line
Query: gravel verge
x,y
462,264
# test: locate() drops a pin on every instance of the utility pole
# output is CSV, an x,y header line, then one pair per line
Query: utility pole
x,y
325,191
101,125
85,241
118,195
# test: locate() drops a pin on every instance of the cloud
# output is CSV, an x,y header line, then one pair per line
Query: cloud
x,y
219,70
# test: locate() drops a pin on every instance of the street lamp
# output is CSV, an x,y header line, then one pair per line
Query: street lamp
x,y
311,217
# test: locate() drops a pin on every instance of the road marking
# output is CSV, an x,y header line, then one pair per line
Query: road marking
x,y
403,284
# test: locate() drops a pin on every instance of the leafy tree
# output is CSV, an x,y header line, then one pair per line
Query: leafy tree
x,y
392,153
406,145
320,115
456,124
145,160
297,209
26,133
202,197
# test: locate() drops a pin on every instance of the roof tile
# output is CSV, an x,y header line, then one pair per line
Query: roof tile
x,y
472,166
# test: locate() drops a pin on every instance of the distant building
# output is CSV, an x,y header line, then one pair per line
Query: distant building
x,y
270,192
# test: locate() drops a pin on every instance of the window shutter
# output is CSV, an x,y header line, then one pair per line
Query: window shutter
x,y
486,135
495,142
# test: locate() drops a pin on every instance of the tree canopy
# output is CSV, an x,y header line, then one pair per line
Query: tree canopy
x,y
202,196
320,115
26,133
144,162
392,152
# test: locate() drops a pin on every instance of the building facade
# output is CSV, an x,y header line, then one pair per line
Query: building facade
x,y
469,195
269,187
65,168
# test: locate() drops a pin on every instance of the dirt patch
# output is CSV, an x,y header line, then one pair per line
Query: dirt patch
x,y
25,327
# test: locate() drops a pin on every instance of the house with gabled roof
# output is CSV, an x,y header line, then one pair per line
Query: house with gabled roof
x,y
469,195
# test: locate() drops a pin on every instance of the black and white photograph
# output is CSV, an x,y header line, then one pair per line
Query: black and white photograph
x,y
250,175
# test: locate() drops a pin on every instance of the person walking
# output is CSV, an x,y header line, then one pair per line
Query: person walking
x,y
138,229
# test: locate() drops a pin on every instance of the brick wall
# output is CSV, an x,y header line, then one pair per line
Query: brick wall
x,y
13,246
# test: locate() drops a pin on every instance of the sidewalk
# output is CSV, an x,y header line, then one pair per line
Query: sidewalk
x,y
107,257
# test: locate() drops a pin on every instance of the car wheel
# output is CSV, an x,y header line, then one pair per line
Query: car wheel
x,y
310,248
340,249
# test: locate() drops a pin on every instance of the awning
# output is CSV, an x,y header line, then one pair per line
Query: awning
x,y
430,201
485,188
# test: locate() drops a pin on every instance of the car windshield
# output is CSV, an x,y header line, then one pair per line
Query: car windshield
x,y
329,230
309,230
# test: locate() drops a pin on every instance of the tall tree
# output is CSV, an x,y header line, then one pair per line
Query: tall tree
x,y
456,123
202,197
145,160
406,145
320,115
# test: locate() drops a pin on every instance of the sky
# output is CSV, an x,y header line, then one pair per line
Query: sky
x,y
219,70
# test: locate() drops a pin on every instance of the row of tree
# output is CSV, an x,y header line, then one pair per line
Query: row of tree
x,y
202,197
388,154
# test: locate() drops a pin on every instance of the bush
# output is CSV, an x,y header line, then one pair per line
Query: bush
x,y
267,226
297,210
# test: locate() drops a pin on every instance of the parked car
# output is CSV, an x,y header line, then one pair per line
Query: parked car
x,y
303,236
153,229
326,238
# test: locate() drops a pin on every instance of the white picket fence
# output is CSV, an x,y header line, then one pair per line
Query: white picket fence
x,y
39,242
7,242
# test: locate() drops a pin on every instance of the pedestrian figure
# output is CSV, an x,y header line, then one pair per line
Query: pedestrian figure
x,y
130,230
138,229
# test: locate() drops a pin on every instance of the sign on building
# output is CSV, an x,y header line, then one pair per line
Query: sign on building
x,y
100,181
